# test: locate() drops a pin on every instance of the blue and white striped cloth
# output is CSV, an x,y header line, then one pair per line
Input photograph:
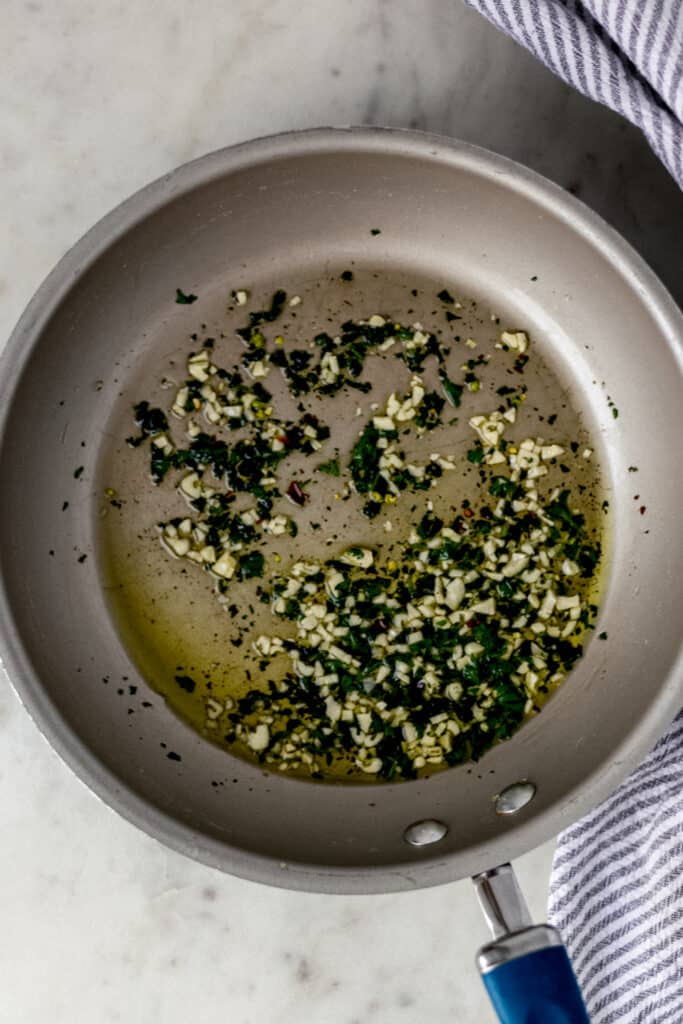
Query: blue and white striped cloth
x,y
617,894
617,880
627,54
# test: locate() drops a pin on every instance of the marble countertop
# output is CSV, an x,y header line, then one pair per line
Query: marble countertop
x,y
100,923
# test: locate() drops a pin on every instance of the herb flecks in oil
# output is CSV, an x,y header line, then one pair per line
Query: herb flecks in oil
x,y
393,664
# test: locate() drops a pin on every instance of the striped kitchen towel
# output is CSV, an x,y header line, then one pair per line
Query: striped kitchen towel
x,y
627,54
617,894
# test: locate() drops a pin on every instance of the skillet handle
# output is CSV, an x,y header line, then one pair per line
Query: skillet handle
x,y
526,970
529,979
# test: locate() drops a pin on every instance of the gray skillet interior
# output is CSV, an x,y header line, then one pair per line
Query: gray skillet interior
x,y
293,204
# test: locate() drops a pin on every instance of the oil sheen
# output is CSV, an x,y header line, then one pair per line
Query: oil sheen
x,y
188,645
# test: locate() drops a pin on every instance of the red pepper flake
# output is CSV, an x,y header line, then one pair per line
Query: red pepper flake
x,y
468,513
296,494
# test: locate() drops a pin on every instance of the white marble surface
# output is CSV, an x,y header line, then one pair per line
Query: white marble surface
x,y
99,923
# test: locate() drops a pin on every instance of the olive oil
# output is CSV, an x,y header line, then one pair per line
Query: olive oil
x,y
193,645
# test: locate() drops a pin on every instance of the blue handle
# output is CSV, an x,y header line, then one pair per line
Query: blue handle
x,y
538,988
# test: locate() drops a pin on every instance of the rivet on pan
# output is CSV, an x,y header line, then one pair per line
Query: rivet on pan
x,y
422,833
513,798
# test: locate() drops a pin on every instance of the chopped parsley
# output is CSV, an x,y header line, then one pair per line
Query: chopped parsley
x,y
186,683
150,421
453,392
428,414
252,564
331,467
268,315
364,464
